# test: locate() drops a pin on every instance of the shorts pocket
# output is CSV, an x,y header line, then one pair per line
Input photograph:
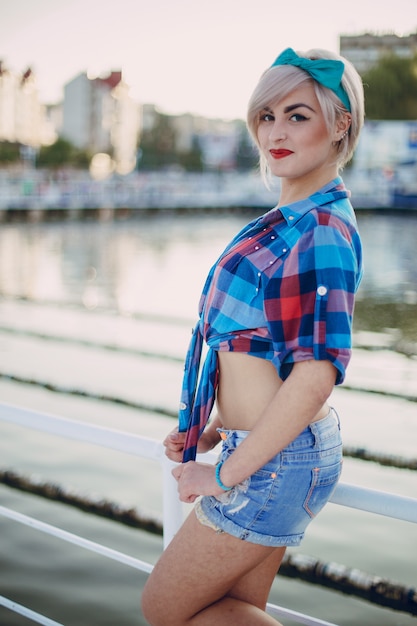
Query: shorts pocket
x,y
323,484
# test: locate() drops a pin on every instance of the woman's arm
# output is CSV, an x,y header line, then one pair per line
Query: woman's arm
x,y
294,406
174,442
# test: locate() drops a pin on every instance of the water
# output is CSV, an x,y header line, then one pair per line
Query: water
x,y
135,284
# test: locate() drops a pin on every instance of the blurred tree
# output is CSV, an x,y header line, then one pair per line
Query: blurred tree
x,y
62,152
247,156
158,144
191,161
9,152
391,89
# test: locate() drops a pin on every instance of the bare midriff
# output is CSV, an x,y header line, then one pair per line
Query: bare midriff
x,y
247,385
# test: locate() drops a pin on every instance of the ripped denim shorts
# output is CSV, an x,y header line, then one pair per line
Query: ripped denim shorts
x,y
274,506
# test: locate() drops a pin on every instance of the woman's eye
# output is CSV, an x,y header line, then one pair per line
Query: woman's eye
x,y
297,117
266,117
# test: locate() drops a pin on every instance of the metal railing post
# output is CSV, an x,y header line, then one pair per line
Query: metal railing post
x,y
172,507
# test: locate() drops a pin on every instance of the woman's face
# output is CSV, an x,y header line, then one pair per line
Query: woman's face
x,y
295,140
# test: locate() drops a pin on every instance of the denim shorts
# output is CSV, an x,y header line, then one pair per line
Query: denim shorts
x,y
274,506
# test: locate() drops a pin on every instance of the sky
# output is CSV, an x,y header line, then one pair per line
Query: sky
x,y
197,56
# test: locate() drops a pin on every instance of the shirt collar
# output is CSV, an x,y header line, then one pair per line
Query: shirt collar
x,y
292,213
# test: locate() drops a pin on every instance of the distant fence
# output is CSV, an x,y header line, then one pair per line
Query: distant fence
x,y
39,193
137,192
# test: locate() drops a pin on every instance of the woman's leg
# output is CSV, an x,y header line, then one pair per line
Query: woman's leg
x,y
206,578
255,586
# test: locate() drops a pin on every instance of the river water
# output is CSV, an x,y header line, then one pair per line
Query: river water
x,y
81,302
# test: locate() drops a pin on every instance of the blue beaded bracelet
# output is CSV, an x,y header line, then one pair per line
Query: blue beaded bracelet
x,y
219,480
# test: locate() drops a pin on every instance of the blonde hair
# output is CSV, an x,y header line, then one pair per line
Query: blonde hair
x,y
278,81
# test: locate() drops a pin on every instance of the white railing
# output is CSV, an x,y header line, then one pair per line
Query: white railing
x,y
369,500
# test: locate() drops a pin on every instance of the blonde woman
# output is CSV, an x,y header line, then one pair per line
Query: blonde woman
x,y
276,312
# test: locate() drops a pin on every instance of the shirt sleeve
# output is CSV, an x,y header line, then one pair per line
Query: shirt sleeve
x,y
309,303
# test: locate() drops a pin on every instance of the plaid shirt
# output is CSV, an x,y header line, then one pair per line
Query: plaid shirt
x,y
282,290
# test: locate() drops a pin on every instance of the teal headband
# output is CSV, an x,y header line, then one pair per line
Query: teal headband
x,y
327,72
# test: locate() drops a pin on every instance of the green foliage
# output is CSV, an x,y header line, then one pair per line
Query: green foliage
x,y
9,152
247,156
391,89
158,144
61,153
158,148
191,161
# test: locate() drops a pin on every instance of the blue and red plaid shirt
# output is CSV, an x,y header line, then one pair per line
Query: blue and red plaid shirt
x,y
282,290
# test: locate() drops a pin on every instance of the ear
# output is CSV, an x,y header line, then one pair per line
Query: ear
x,y
342,127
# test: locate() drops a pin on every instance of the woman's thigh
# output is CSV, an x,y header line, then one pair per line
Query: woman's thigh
x,y
255,586
201,566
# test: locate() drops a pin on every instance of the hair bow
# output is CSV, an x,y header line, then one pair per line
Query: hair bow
x,y
327,72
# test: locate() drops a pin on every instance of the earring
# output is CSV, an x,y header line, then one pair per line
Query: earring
x,y
344,135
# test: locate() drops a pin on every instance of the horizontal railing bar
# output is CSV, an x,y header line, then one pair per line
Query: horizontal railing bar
x,y
54,531
369,500
300,618
359,584
374,501
23,610
82,431
386,504
125,559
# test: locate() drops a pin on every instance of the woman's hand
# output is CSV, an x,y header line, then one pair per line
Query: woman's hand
x,y
174,445
175,441
196,479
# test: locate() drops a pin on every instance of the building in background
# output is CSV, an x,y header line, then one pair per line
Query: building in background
x,y
100,116
52,123
8,89
365,50
216,138
21,113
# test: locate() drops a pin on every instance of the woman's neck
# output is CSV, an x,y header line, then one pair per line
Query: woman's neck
x,y
293,190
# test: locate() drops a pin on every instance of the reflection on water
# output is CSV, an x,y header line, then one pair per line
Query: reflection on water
x,y
390,257
158,265
387,297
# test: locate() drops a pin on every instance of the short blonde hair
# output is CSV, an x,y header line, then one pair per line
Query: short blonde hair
x,y
278,81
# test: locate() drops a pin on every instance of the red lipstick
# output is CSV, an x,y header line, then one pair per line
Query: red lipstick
x,y
280,154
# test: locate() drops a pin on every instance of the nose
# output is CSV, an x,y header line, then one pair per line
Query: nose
x,y
277,131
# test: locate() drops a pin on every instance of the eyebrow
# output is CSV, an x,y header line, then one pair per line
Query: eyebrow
x,y
291,107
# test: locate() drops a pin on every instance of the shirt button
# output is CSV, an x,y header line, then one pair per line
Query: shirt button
x,y
284,249
272,236
256,247
322,290
291,217
182,406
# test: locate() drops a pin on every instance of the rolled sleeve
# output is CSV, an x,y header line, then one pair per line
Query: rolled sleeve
x,y
309,307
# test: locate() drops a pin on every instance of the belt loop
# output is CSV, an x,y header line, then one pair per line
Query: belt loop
x,y
316,435
336,414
